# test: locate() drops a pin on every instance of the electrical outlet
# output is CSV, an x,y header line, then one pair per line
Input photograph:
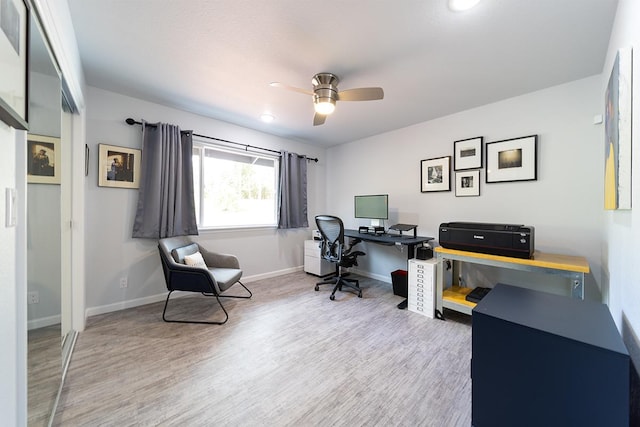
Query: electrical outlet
x,y
124,282
33,297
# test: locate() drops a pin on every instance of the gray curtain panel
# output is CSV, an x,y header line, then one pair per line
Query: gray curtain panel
x,y
166,205
292,207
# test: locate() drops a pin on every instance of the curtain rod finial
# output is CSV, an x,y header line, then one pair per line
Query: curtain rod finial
x,y
130,121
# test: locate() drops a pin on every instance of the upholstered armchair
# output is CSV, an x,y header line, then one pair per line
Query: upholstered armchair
x,y
190,267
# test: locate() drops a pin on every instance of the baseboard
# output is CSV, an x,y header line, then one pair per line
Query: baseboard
x,y
43,322
256,277
386,278
123,305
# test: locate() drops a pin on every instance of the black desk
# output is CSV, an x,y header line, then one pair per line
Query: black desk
x,y
390,240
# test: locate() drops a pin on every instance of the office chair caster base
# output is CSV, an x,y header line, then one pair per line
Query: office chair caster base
x,y
332,297
317,288
360,294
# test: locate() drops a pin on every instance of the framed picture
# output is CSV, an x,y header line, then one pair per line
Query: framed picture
x,y
119,167
14,53
468,183
512,160
617,166
435,174
43,159
467,154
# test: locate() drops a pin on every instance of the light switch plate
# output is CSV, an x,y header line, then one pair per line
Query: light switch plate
x,y
10,207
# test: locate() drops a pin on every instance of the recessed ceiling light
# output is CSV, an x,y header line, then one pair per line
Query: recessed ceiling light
x,y
460,5
267,118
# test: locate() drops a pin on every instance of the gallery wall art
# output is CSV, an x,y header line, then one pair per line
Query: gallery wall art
x,y
617,175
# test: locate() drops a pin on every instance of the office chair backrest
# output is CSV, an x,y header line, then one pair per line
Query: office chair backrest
x,y
332,231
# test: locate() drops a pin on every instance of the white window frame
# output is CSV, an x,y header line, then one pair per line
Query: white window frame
x,y
199,181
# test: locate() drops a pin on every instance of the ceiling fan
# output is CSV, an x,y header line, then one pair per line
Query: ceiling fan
x,y
325,94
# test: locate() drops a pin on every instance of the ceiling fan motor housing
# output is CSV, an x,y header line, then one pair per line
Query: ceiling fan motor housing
x,y
325,87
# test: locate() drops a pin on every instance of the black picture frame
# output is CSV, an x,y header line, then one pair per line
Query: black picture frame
x,y
435,174
467,153
512,160
468,183
14,74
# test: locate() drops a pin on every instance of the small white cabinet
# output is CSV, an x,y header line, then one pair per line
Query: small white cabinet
x,y
313,262
421,283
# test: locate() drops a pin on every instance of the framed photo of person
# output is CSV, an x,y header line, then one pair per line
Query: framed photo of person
x,y
435,174
43,159
512,160
467,154
119,167
468,183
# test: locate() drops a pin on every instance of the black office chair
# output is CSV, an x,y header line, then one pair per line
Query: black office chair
x,y
333,249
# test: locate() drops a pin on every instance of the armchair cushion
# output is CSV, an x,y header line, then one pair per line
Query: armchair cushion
x,y
225,277
195,260
179,253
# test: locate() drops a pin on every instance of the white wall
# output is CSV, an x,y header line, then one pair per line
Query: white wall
x,y
111,253
564,204
621,251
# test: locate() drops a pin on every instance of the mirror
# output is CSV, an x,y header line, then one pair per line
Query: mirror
x,y
44,231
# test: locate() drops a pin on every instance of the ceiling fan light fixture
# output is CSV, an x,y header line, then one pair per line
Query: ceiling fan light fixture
x,y
267,118
324,106
461,5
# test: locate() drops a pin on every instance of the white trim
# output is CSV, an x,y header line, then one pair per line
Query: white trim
x,y
43,322
123,305
383,278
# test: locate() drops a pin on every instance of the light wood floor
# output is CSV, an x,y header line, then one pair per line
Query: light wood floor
x,y
44,373
287,357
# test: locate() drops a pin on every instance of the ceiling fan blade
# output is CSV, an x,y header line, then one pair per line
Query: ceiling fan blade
x,y
361,94
292,88
318,119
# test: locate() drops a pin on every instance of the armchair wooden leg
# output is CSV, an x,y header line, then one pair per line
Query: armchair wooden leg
x,y
195,321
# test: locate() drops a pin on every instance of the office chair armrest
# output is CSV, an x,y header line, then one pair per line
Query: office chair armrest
x,y
352,242
214,259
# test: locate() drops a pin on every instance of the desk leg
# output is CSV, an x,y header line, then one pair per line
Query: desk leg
x,y
411,250
439,283
577,286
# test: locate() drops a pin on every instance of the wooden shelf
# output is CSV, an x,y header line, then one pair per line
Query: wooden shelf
x,y
540,260
573,268
454,298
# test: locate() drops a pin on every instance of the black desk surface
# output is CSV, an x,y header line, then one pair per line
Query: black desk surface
x,y
387,239
584,321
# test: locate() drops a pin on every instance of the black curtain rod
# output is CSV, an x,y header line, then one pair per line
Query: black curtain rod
x,y
132,122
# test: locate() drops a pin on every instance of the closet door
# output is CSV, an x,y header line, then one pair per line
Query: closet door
x,y
44,230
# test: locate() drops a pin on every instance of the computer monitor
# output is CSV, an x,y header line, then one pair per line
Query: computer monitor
x,y
374,207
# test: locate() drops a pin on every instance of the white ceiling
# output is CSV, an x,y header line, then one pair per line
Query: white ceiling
x,y
217,57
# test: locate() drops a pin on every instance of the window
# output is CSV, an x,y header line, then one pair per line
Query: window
x,y
234,188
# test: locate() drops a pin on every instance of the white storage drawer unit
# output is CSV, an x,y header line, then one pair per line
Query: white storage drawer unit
x,y
421,286
313,263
